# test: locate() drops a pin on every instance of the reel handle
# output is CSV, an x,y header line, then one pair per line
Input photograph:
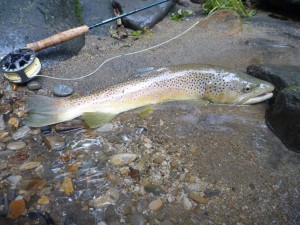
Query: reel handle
x,y
58,38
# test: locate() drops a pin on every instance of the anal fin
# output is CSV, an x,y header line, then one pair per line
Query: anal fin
x,y
97,119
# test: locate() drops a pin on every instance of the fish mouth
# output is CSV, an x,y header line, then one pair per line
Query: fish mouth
x,y
258,99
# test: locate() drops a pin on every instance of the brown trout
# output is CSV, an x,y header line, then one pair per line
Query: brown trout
x,y
186,82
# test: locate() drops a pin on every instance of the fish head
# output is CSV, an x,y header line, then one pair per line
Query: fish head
x,y
237,89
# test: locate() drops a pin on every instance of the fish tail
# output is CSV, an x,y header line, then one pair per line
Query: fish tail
x,y
42,111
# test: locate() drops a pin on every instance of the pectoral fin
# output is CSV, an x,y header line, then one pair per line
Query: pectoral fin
x,y
145,111
97,119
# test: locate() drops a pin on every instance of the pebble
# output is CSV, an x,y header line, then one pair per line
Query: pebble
x,y
21,133
16,145
3,135
148,145
137,219
16,209
29,165
55,142
154,189
2,123
34,85
166,222
211,193
11,194
109,198
158,159
14,122
44,200
74,124
122,159
155,204
187,203
2,146
3,165
62,90
194,187
6,153
15,180
198,198
46,129
5,109
67,186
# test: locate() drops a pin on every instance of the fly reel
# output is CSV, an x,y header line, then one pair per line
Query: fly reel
x,y
20,66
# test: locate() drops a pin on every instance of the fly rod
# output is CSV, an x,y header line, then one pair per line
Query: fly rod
x,y
78,31
21,65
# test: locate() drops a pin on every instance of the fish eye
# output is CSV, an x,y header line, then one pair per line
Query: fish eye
x,y
247,88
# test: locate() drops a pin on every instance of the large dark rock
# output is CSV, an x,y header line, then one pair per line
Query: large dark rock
x,y
281,76
144,19
283,117
286,4
93,12
23,22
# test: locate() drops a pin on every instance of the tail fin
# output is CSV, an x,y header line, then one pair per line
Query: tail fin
x,y
42,111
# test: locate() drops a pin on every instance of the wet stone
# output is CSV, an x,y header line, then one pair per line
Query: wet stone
x,y
70,125
29,165
21,133
44,200
158,159
16,208
6,153
11,194
137,219
187,203
211,193
154,189
2,146
15,180
2,123
55,142
5,109
46,129
123,159
67,186
16,145
166,222
34,85
4,135
3,165
62,90
198,198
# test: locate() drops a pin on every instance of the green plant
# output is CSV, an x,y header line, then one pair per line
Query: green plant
x,y
78,11
141,33
211,6
181,14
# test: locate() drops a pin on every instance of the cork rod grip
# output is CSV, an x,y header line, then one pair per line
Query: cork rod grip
x,y
58,38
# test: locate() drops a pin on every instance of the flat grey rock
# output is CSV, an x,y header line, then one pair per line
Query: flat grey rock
x,y
62,90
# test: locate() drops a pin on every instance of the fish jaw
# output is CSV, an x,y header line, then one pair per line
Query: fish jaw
x,y
260,94
258,99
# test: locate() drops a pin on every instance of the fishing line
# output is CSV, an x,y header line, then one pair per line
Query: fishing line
x,y
126,54
137,52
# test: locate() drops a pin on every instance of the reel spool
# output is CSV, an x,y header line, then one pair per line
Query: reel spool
x,y
20,66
